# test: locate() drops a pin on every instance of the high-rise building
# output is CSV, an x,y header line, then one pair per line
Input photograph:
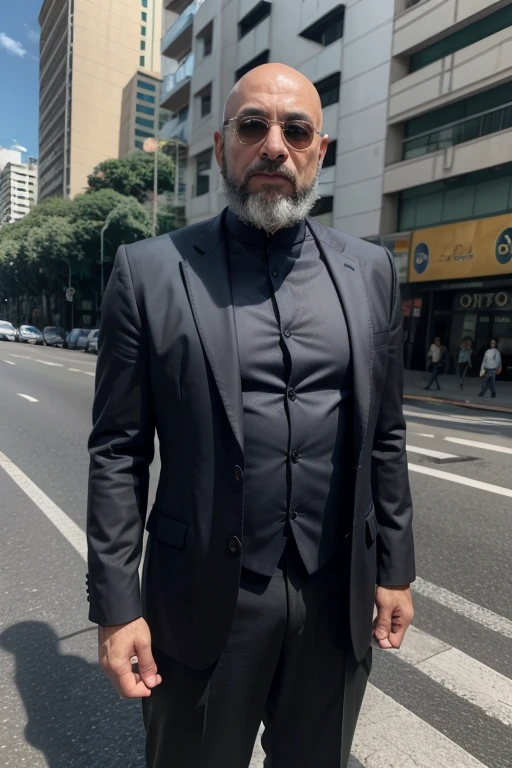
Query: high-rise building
x,y
417,102
89,51
140,112
18,188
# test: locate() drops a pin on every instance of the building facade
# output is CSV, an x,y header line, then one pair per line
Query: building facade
x,y
140,112
417,101
89,51
18,188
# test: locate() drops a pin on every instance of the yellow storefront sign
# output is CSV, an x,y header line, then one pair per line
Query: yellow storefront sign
x,y
467,249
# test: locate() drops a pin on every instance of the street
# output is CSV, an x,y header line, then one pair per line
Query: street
x,y
443,701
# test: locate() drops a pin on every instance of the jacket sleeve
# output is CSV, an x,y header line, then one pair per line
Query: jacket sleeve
x,y
121,448
390,478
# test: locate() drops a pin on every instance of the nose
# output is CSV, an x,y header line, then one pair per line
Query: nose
x,y
274,147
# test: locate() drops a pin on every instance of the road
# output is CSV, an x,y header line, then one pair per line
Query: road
x,y
443,701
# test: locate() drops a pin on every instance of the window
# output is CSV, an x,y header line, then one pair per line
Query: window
x,y
143,31
144,3
143,45
330,155
145,110
205,101
146,123
147,86
139,144
256,62
144,16
183,114
203,167
144,134
329,90
146,97
205,38
142,61
328,29
253,18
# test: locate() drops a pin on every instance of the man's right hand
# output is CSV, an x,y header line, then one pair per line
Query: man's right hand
x,y
117,646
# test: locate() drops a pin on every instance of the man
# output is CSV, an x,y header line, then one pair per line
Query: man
x,y
435,360
266,351
491,367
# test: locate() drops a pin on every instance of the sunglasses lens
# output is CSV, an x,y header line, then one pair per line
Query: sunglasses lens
x,y
298,135
252,130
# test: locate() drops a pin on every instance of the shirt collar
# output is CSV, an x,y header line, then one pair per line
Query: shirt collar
x,y
249,235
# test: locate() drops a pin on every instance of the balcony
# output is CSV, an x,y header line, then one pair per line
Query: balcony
x,y
175,93
459,132
177,41
176,129
176,6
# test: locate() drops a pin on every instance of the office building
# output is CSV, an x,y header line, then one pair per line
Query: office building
x,y
140,112
89,51
18,187
417,100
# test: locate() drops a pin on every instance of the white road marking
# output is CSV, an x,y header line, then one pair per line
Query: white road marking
x,y
79,370
459,673
390,735
498,489
21,357
456,419
69,529
46,362
89,373
423,434
27,397
75,370
429,452
9,362
478,444
464,607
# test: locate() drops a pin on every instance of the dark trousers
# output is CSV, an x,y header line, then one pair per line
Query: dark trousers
x,y
285,663
489,382
435,370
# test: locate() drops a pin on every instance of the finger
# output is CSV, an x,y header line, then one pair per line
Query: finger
x,y
130,686
146,664
382,627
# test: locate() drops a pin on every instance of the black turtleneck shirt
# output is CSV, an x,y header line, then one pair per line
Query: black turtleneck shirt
x,y
296,372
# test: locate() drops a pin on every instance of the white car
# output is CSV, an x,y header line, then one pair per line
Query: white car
x,y
29,334
7,331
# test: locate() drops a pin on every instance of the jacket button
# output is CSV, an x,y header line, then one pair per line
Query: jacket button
x,y
234,545
239,475
291,393
295,457
293,515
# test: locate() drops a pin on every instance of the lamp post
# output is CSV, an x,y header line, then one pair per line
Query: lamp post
x,y
153,146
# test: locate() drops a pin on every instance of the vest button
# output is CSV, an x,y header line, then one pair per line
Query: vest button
x,y
287,333
295,457
234,545
291,394
293,515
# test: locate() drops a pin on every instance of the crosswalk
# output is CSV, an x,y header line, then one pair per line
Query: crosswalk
x,y
392,735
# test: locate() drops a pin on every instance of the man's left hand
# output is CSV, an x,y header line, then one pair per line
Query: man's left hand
x,y
394,614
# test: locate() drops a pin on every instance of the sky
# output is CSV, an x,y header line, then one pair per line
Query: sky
x,y
19,73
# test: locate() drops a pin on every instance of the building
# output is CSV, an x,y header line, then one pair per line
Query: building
x,y
140,112
18,188
89,51
417,98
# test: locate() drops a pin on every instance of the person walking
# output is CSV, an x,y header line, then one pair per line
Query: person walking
x,y
465,360
491,367
436,360
265,349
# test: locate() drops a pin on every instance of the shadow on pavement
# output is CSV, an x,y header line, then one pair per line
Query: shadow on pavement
x,y
75,718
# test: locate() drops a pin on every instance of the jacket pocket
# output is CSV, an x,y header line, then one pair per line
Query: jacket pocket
x,y
169,530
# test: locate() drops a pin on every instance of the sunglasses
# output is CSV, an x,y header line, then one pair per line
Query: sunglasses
x,y
299,134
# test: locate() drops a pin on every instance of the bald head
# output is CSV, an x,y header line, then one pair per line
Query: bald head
x,y
275,82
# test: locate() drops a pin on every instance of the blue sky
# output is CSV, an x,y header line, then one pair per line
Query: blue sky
x,y
19,72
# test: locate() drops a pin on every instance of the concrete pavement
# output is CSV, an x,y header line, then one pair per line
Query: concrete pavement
x,y
441,701
416,381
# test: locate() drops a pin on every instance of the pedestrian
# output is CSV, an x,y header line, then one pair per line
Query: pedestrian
x,y
265,349
491,367
465,360
435,362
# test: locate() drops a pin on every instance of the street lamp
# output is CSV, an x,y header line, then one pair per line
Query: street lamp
x,y
153,146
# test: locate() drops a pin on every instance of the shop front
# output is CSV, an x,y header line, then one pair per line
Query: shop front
x,y
460,287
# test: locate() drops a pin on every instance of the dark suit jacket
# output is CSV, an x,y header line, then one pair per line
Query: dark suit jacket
x,y
168,360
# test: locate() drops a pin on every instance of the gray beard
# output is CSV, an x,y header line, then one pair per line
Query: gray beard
x,y
268,210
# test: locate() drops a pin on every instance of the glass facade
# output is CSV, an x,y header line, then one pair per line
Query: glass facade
x,y
144,122
145,110
146,97
147,86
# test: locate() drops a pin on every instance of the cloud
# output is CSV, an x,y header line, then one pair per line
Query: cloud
x,y
32,34
12,46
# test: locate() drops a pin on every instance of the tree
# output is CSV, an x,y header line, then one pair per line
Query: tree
x,y
133,175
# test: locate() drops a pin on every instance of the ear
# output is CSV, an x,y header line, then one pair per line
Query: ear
x,y
324,143
219,147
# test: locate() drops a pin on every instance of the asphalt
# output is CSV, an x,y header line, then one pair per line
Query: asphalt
x,y
58,710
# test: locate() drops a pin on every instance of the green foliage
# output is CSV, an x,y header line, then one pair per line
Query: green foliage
x,y
133,175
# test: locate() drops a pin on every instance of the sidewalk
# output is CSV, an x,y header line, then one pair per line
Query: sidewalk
x,y
416,381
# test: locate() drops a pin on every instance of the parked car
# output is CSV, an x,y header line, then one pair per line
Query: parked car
x,y
54,336
77,338
92,342
7,331
29,334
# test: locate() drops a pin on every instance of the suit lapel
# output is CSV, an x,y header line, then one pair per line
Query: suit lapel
x,y
207,280
349,281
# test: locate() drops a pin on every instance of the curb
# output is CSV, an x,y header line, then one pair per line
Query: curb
x,y
459,403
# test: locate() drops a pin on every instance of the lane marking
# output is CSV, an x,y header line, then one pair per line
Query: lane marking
x,y
75,370
463,607
79,370
46,362
21,357
9,362
430,452
390,735
458,419
498,489
27,397
67,527
459,673
478,444
423,434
